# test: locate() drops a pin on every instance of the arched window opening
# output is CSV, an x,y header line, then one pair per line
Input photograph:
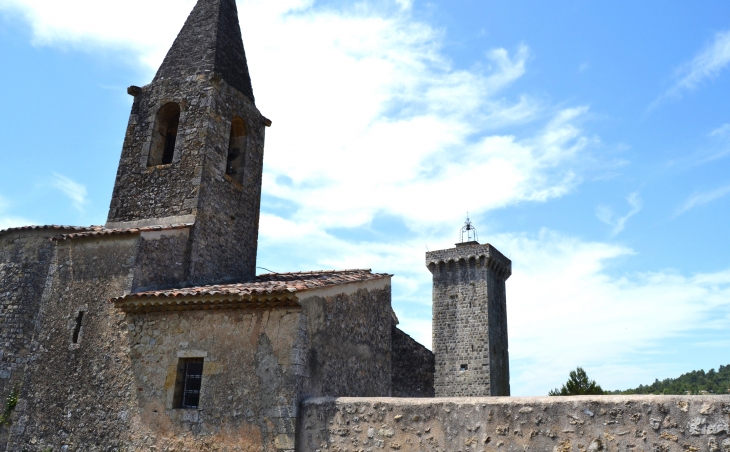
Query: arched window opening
x,y
164,135
236,162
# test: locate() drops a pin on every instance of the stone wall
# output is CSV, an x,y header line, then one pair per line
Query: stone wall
x,y
79,394
349,340
250,379
162,260
225,238
549,424
413,367
109,382
82,393
470,320
24,260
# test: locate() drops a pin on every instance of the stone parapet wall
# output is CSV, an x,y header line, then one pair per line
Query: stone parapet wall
x,y
517,424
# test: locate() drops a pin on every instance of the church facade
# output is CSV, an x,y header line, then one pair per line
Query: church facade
x,y
153,332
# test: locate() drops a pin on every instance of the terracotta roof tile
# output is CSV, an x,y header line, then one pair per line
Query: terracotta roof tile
x,y
270,283
268,290
52,227
103,232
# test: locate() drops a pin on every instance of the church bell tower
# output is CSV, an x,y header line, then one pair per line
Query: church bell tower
x,y
194,148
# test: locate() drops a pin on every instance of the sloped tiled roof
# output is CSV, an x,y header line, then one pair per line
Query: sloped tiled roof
x,y
268,290
52,227
62,233
103,232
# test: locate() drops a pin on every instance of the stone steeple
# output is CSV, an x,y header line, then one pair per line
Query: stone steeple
x,y
210,42
194,149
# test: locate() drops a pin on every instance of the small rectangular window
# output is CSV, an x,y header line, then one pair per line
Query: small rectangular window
x,y
187,385
77,329
76,324
464,368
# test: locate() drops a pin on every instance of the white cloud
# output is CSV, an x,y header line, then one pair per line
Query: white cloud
x,y
72,189
404,4
565,311
704,66
373,95
564,308
606,214
701,198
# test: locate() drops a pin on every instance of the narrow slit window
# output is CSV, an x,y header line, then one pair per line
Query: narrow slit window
x,y
77,328
236,162
164,136
188,384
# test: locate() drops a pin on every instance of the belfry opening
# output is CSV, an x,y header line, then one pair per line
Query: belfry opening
x,y
236,161
164,135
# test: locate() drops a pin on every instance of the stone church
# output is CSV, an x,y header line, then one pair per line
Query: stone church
x,y
153,332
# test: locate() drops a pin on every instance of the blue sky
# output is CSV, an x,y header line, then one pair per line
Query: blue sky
x,y
587,139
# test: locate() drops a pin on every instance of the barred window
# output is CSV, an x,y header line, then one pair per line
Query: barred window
x,y
188,383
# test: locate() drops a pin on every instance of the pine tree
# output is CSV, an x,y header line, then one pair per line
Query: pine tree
x,y
578,384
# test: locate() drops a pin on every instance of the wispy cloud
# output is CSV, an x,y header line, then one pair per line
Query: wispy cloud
x,y
704,66
721,131
606,214
72,189
701,198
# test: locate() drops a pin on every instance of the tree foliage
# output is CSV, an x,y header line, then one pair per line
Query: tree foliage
x,y
578,384
695,382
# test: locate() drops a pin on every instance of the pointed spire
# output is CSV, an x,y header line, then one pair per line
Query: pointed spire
x,y
210,41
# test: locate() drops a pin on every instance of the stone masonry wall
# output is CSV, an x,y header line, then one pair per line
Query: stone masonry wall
x,y
470,320
79,395
194,187
251,379
349,342
225,238
24,260
500,424
413,367
162,260
142,192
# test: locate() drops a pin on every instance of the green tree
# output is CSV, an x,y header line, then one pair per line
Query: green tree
x,y
578,384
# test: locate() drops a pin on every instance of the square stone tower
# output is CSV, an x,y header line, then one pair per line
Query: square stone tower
x,y
470,320
194,148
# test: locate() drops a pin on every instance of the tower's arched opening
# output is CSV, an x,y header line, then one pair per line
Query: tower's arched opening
x,y
164,135
236,162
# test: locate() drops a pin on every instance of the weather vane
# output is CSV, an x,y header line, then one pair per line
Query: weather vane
x,y
469,230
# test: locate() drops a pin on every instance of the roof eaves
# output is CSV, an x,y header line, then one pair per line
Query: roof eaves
x,y
170,301
102,232
50,227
